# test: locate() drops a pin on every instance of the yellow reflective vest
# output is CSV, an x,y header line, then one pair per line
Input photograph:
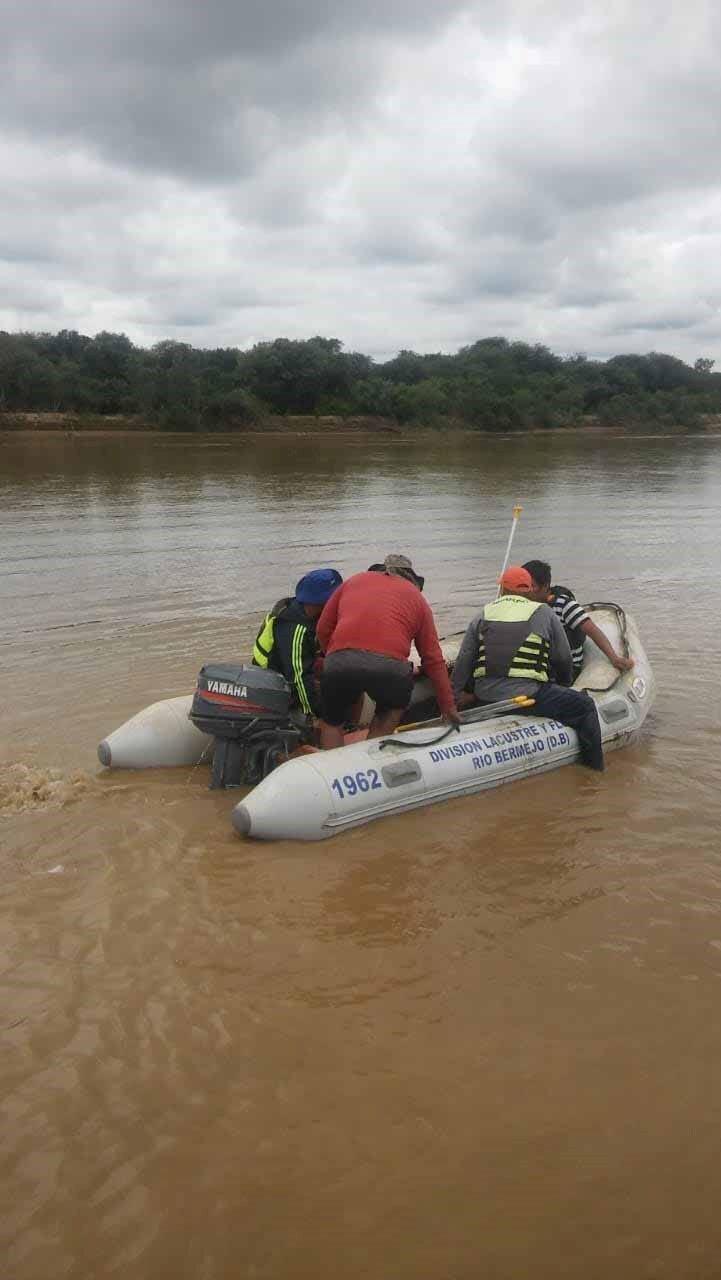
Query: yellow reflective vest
x,y
286,643
508,645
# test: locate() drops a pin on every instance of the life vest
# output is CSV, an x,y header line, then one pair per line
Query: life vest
x,y
263,649
508,645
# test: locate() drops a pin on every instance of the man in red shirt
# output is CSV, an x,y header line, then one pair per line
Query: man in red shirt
x,y
366,631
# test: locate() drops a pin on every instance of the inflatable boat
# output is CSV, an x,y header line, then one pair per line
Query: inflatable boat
x,y
320,794
324,793
162,735
159,736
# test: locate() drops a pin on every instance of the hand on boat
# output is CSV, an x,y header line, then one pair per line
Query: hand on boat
x,y
465,700
452,717
623,664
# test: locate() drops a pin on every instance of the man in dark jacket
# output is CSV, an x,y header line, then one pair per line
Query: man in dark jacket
x,y
287,642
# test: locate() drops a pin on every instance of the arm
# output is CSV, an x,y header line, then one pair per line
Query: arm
x,y
467,654
561,660
327,621
303,655
604,644
426,642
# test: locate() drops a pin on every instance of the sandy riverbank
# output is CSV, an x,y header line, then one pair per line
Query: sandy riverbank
x,y
76,427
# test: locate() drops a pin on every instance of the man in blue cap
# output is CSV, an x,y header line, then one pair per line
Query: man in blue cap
x,y
286,641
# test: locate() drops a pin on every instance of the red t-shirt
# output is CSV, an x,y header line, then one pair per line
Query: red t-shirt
x,y
384,613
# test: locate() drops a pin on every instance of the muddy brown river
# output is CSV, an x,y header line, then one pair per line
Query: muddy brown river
x,y
477,1042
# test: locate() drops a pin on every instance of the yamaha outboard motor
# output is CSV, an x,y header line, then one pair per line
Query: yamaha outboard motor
x,y
247,710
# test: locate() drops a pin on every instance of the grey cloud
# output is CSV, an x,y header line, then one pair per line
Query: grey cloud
x,y
389,237
612,111
178,32
494,270
388,249
20,246
511,209
206,90
190,320
581,298
659,323
409,173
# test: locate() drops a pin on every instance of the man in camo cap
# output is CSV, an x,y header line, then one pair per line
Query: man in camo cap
x,y
366,631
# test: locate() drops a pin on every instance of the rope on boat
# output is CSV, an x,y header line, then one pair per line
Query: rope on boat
x,y
473,716
398,742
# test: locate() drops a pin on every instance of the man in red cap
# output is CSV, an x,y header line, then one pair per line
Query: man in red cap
x,y
510,648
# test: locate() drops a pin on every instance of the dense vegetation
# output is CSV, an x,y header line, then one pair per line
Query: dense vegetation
x,y
490,385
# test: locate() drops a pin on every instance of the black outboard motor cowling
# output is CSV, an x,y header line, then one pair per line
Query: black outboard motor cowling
x,y
228,697
247,710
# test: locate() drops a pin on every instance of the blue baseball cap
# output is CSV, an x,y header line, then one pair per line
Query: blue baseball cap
x,y
317,586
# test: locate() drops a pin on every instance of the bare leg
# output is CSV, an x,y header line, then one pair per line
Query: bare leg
x,y
384,723
331,735
354,714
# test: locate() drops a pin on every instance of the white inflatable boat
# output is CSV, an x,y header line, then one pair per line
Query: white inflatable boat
x,y
159,736
324,793
320,794
162,736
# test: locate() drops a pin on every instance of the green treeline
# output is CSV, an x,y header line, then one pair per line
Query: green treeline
x,y
491,385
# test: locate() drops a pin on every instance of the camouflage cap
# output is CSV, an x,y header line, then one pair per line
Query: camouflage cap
x,y
401,567
398,564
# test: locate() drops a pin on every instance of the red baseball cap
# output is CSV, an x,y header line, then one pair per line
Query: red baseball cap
x,y
516,579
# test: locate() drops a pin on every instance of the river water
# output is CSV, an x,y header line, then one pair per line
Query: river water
x,y
481,1040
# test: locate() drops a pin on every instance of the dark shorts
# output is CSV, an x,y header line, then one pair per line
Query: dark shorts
x,y
348,673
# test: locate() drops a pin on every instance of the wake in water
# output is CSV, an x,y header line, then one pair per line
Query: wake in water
x,y
25,788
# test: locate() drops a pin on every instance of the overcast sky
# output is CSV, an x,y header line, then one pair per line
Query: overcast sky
x,y
393,173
